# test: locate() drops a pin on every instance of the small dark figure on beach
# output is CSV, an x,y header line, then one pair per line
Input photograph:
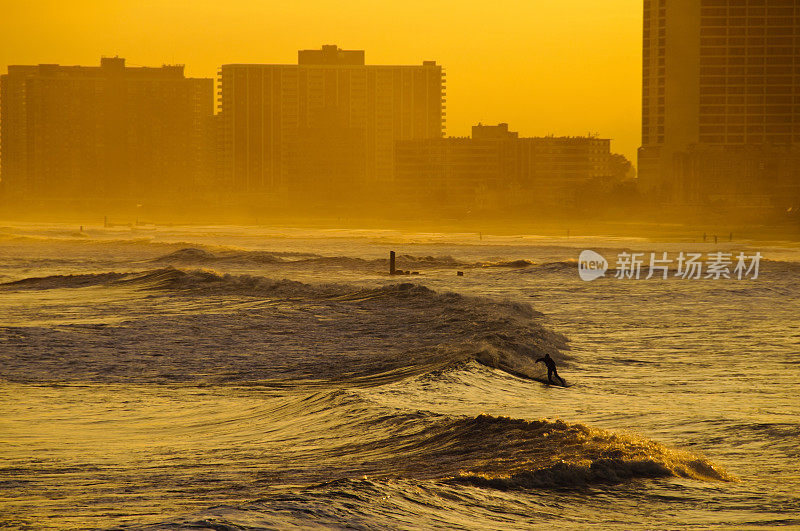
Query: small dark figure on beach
x,y
551,369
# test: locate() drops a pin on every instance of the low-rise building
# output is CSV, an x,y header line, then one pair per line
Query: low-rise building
x,y
496,168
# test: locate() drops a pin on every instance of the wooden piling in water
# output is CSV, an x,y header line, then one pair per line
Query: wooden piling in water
x,y
392,270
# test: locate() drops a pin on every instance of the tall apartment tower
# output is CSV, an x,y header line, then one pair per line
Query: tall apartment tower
x,y
329,118
103,132
720,82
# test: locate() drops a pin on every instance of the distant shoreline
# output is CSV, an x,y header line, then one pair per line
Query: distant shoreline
x,y
482,227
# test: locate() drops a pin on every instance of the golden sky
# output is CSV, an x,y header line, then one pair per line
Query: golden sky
x,y
563,67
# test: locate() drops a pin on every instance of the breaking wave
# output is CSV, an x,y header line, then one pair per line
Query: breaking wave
x,y
194,255
510,263
558,454
200,256
331,332
415,457
292,382
502,452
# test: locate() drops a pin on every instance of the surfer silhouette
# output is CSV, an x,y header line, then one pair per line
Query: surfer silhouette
x,y
551,369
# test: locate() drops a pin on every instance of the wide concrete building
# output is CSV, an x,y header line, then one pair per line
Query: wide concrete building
x,y
497,168
330,120
103,133
720,81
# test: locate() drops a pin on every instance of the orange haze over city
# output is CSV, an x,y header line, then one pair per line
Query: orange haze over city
x,y
570,67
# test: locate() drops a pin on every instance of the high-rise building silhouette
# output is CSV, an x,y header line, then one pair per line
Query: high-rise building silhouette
x,y
331,117
720,99
108,132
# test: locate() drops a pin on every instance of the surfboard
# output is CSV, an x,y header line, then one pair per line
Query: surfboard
x,y
540,379
554,383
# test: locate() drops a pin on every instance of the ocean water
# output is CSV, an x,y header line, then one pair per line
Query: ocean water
x,y
266,378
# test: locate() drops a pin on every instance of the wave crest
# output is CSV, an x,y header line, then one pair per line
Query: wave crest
x,y
385,333
197,256
541,453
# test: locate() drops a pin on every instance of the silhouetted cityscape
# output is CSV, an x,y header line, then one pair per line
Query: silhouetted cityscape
x,y
720,130
328,132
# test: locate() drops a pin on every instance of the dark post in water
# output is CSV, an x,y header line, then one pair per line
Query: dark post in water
x,y
391,263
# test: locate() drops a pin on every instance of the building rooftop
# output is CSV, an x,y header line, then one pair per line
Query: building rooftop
x,y
329,55
109,66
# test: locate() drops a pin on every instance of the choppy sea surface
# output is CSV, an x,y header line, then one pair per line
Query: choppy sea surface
x,y
265,378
